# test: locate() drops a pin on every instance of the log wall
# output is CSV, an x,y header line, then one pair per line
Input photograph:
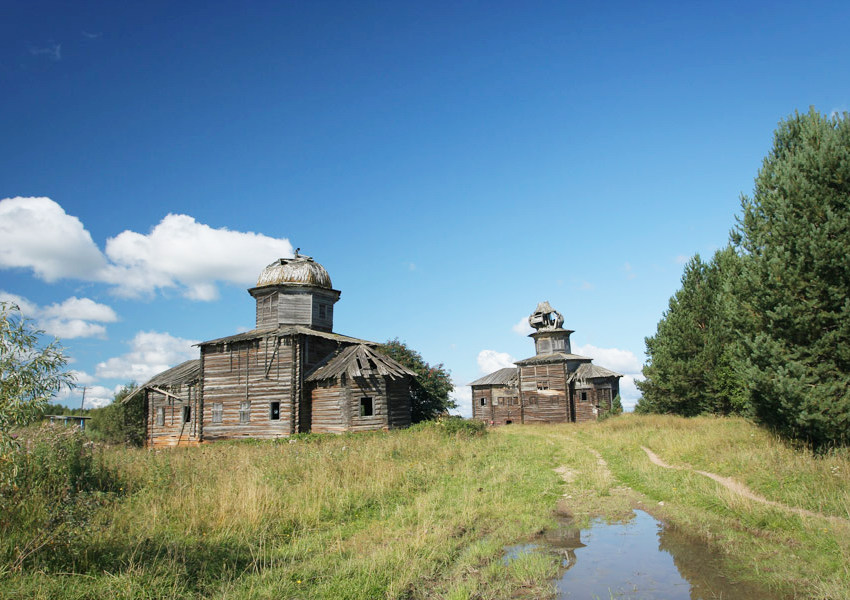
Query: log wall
x,y
174,431
482,412
258,372
544,393
398,400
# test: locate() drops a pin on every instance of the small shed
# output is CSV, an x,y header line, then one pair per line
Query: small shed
x,y
172,406
359,389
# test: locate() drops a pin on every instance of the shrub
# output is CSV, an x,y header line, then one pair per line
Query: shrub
x,y
60,480
452,425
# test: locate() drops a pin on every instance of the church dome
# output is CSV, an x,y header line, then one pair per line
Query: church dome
x,y
301,270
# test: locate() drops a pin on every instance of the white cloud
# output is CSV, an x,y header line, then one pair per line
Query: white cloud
x,y
522,327
81,308
151,352
490,360
82,378
627,267
462,394
179,252
73,318
681,259
37,233
586,286
97,396
622,361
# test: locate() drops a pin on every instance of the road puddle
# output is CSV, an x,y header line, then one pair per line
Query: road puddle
x,y
639,559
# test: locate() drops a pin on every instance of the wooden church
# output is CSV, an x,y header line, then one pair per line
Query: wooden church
x,y
553,386
289,374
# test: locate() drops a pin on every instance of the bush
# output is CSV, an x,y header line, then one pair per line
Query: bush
x,y
453,426
60,481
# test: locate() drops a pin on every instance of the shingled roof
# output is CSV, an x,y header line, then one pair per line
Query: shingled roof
x,y
589,371
507,376
186,372
359,361
552,358
285,330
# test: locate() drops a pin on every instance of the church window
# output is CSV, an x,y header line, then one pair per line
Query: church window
x,y
217,411
483,401
366,408
160,415
274,411
187,414
584,396
542,385
245,411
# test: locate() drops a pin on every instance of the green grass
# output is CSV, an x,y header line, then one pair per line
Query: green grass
x,y
425,514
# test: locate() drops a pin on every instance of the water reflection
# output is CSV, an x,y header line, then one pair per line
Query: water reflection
x,y
639,559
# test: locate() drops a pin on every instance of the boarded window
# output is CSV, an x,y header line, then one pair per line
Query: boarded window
x,y
245,411
160,415
321,311
483,401
366,408
532,400
274,411
187,414
217,410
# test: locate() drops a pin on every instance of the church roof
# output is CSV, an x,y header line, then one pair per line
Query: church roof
x,y
507,376
185,372
300,270
358,361
552,358
589,371
286,330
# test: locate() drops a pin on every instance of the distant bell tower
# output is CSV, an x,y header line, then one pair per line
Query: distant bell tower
x,y
295,291
549,336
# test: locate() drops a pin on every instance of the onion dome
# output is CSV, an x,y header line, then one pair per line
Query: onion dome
x,y
301,270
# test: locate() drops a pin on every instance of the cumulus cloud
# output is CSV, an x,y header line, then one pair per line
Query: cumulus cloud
x,y
522,327
73,318
97,396
151,352
622,361
38,234
178,253
490,360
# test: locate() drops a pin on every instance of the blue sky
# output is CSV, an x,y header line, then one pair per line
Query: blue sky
x,y
451,164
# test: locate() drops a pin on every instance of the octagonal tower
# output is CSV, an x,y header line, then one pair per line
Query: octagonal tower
x,y
295,291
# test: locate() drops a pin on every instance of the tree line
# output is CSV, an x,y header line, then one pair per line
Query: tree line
x,y
763,328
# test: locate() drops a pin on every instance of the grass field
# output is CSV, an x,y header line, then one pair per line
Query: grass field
x,y
422,514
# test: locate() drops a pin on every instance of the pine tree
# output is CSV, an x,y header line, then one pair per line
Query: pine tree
x,y
690,368
795,285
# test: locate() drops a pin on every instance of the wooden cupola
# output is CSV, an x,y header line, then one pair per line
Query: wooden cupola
x,y
549,336
295,291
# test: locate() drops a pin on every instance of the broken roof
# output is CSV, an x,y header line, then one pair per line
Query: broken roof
x,y
507,376
186,372
286,330
551,358
589,371
359,361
